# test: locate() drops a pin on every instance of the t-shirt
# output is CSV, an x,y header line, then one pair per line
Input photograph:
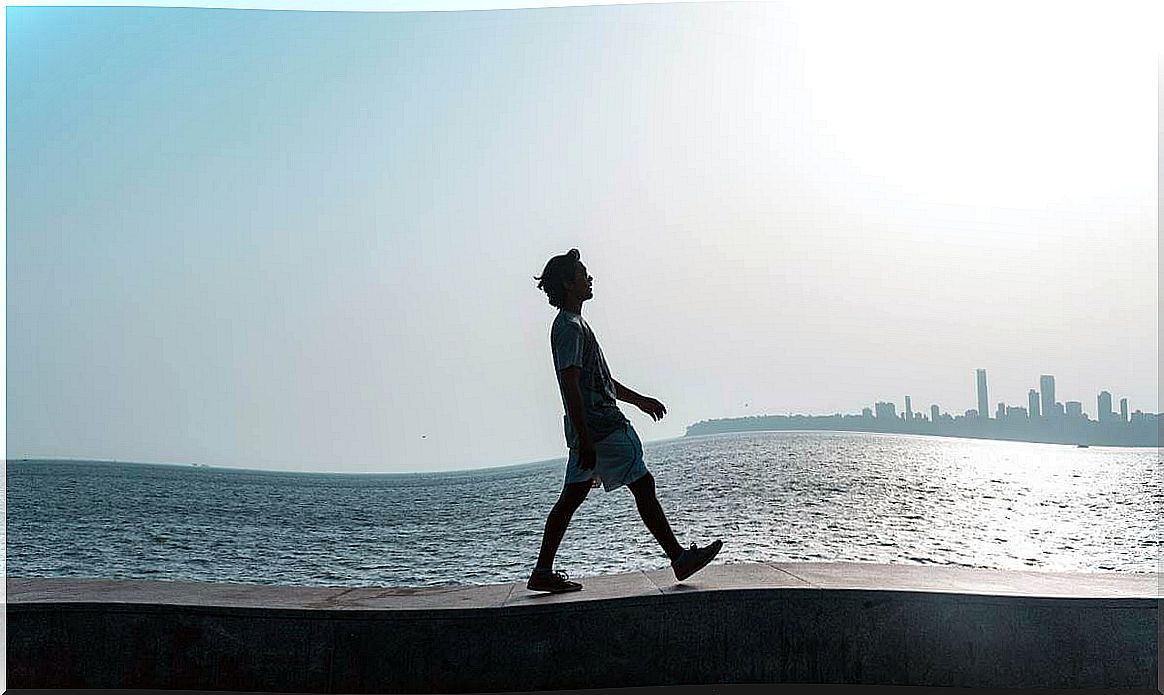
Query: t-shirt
x,y
574,345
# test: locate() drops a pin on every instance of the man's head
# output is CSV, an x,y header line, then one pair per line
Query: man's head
x,y
565,278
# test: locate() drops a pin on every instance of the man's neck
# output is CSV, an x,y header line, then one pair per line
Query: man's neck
x,y
574,307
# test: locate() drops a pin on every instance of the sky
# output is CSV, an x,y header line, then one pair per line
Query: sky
x,y
306,240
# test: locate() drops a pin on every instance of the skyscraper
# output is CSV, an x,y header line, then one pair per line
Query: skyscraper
x,y
1103,403
1033,403
908,409
1047,389
1074,409
983,403
1123,409
935,412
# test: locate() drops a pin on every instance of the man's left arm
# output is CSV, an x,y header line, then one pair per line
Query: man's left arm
x,y
648,405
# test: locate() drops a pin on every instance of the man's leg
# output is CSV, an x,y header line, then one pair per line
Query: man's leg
x,y
568,503
652,513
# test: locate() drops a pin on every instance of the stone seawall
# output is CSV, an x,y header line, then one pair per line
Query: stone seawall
x,y
743,623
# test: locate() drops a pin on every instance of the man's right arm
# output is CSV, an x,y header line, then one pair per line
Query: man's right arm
x,y
570,381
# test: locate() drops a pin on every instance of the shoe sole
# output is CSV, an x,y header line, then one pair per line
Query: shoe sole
x,y
556,591
715,548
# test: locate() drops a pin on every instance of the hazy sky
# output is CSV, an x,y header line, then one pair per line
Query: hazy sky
x,y
306,240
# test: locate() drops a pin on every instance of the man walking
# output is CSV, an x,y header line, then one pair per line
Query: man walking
x,y
604,448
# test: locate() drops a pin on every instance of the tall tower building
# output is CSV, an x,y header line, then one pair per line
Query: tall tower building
x,y
1047,389
1033,403
1103,403
1124,409
908,409
935,413
983,403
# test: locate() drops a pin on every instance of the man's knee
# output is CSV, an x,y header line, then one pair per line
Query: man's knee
x,y
644,487
573,494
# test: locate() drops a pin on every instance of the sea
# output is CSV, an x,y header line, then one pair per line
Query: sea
x,y
770,496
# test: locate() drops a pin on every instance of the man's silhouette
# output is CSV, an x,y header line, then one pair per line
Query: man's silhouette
x,y
604,448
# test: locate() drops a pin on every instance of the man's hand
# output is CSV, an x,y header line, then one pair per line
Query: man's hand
x,y
587,456
651,407
648,405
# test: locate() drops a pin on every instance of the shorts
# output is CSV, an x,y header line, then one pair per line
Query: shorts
x,y
618,460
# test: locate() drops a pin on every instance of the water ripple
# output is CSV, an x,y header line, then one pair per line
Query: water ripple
x,y
788,496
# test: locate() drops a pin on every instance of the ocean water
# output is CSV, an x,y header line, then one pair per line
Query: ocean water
x,y
771,496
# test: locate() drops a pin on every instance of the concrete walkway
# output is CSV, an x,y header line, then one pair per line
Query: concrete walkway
x,y
820,576
739,623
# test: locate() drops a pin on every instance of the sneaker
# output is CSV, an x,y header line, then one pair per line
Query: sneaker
x,y
553,582
694,559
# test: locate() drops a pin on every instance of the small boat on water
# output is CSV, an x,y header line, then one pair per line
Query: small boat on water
x,y
1082,446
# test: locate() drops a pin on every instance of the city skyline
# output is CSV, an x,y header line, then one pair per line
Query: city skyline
x,y
1039,403
1067,422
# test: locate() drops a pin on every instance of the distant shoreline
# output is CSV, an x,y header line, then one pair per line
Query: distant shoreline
x,y
1141,433
452,473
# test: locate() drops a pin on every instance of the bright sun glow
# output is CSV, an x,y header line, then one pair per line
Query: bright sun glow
x,y
958,104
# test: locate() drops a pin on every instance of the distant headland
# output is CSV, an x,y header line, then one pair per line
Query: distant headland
x,y
1045,421
1142,432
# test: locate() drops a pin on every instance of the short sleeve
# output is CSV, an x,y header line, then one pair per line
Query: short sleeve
x,y
566,344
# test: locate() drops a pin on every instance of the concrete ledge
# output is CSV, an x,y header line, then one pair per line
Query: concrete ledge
x,y
744,623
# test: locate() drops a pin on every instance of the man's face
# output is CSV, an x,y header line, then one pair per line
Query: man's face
x,y
582,284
